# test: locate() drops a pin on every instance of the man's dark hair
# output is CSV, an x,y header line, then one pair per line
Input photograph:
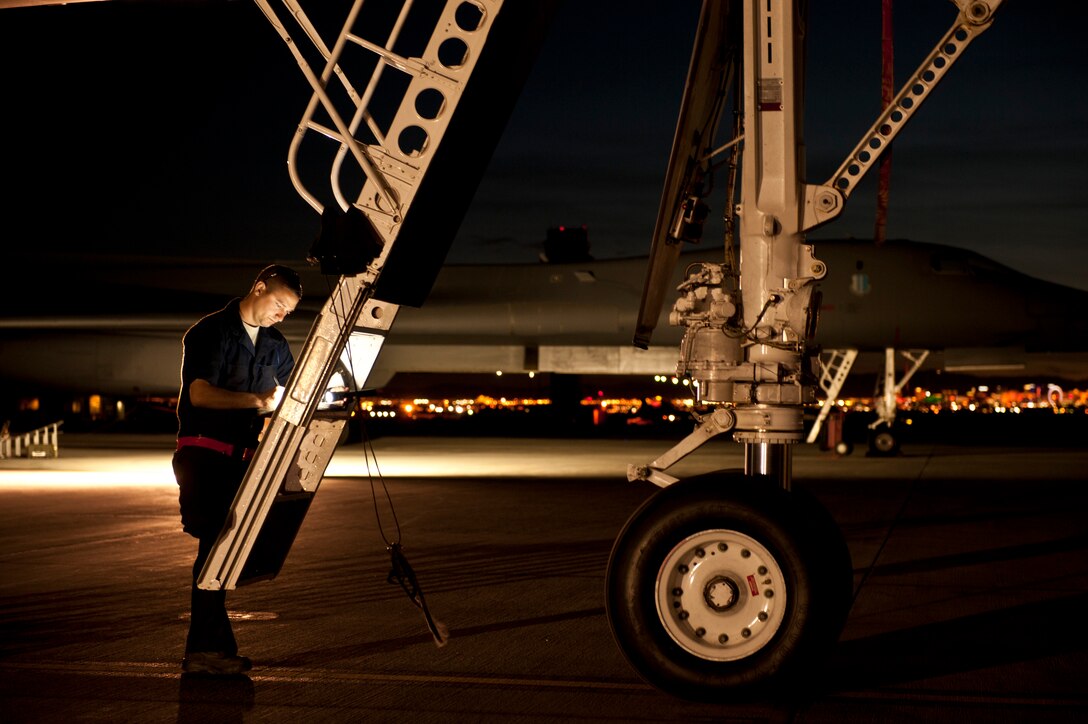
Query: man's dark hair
x,y
280,275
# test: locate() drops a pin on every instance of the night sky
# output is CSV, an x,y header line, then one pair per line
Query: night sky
x,y
164,131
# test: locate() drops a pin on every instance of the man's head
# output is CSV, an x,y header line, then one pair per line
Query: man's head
x,y
275,293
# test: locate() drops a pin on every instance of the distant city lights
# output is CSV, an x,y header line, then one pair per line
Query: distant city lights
x,y
982,399
677,403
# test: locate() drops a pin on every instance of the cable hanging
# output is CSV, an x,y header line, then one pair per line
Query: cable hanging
x,y
401,571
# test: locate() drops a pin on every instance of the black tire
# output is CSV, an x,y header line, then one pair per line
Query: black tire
x,y
754,538
883,443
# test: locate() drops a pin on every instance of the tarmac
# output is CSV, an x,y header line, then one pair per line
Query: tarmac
x,y
970,569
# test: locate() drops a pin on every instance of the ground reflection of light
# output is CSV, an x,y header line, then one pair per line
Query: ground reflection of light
x,y
129,468
355,462
353,466
88,472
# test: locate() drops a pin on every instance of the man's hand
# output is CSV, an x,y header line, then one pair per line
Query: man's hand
x,y
270,399
204,394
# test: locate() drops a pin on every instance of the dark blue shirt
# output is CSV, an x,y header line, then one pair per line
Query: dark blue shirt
x,y
217,349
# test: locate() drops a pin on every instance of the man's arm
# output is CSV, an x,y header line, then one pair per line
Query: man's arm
x,y
204,394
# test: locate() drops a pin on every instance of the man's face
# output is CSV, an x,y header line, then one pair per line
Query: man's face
x,y
273,304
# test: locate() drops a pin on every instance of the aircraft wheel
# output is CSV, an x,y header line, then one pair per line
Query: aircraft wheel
x,y
727,582
883,443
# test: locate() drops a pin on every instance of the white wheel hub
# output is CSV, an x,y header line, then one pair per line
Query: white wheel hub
x,y
720,595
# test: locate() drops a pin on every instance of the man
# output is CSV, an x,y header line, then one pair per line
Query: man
x,y
232,362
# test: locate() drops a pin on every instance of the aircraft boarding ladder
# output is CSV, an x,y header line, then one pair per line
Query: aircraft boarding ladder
x,y
833,373
41,442
392,161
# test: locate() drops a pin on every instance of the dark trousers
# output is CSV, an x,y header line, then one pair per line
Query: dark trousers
x,y
207,484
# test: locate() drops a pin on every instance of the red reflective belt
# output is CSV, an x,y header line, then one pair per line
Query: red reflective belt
x,y
212,444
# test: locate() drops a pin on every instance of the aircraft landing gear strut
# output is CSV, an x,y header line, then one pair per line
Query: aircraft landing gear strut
x,y
883,441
